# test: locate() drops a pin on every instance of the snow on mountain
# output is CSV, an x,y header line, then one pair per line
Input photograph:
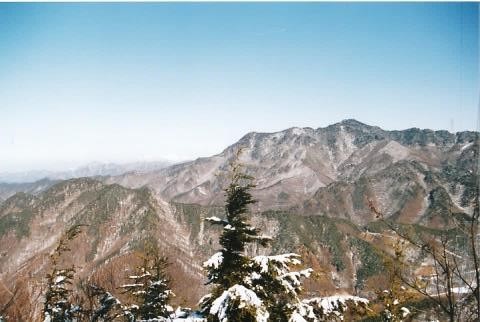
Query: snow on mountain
x,y
293,166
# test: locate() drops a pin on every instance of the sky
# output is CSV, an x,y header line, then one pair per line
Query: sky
x,y
150,81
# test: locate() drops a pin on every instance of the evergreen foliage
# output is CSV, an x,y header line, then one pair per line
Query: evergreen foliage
x,y
150,288
246,288
58,306
109,307
276,284
330,308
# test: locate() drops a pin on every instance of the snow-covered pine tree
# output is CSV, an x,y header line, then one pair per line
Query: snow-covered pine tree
x,y
57,299
150,288
109,307
158,293
276,284
229,268
57,306
248,289
334,308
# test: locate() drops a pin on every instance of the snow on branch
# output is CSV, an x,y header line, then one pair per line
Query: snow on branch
x,y
302,312
291,281
277,269
263,240
217,221
215,261
332,303
238,297
279,263
326,306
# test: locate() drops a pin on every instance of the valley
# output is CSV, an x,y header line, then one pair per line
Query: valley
x,y
314,187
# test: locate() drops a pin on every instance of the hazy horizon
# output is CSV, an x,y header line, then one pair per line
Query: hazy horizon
x,y
54,166
145,82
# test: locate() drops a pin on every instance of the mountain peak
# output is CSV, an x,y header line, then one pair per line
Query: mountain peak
x,y
353,122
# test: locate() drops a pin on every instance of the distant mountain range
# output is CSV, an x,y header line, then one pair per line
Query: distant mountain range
x,y
314,187
90,170
38,180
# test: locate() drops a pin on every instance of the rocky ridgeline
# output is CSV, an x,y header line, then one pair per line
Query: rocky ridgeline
x,y
304,169
314,189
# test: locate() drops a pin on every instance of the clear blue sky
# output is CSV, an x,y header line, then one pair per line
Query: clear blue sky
x,y
132,81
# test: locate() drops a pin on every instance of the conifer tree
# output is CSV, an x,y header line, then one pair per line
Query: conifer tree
x,y
246,288
150,288
276,284
229,268
109,307
57,306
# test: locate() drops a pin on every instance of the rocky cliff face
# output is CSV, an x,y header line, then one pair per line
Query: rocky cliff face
x,y
332,171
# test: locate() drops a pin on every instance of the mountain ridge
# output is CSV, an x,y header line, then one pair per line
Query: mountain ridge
x,y
91,169
291,165
314,187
